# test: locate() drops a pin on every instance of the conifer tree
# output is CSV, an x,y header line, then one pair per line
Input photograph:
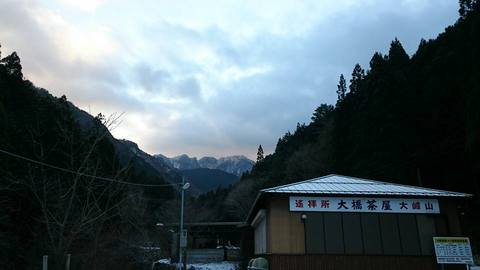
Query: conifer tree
x,y
341,89
376,62
397,54
260,156
321,113
357,76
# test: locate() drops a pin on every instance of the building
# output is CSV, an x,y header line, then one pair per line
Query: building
x,y
340,222
209,241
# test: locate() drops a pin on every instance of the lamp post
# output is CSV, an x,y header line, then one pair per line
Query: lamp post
x,y
183,240
304,217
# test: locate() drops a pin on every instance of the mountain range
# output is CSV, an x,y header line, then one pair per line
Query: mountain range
x,y
205,174
236,165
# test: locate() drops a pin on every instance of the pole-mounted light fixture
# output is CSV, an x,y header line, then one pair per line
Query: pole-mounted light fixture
x,y
182,235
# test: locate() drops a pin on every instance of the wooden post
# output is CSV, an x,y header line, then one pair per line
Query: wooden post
x,y
67,263
45,262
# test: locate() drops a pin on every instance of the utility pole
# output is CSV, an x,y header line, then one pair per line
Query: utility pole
x,y
45,262
183,240
180,232
67,263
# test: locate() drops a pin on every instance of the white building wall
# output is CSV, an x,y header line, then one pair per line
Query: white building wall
x,y
260,232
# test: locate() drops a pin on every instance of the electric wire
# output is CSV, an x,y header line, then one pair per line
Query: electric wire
x,y
84,174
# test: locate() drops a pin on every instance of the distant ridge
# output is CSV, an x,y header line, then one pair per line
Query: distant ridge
x,y
236,165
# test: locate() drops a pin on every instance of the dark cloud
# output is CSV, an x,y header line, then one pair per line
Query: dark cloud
x,y
161,82
151,80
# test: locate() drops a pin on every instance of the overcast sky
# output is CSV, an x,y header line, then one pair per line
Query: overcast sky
x,y
207,77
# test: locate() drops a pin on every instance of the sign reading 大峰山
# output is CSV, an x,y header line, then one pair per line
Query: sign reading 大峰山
x,y
453,250
373,205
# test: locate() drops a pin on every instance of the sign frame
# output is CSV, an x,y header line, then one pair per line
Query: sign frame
x,y
396,205
453,250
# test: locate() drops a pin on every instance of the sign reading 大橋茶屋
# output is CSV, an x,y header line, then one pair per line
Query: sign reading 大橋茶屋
x,y
367,205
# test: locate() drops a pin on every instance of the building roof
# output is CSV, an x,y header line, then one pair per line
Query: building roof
x,y
339,184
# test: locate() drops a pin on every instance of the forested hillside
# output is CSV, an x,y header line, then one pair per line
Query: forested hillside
x,y
409,119
63,185
209,179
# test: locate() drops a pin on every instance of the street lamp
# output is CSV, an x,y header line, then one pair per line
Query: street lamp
x,y
304,217
182,235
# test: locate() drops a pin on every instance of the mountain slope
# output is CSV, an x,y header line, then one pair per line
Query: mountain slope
x,y
128,152
204,179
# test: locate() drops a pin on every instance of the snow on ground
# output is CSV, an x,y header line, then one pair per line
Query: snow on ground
x,y
214,266
207,266
164,261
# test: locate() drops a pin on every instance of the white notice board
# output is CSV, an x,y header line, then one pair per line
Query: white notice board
x,y
453,250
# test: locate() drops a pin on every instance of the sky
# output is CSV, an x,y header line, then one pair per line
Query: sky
x,y
207,78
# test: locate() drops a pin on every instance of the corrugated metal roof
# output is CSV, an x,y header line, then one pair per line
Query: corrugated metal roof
x,y
339,184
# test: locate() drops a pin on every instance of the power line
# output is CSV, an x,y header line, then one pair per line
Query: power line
x,y
83,174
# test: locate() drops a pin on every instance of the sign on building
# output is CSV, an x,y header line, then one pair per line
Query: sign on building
x,y
453,250
364,205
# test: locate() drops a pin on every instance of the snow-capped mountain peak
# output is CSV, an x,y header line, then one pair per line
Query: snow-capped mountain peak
x,y
232,164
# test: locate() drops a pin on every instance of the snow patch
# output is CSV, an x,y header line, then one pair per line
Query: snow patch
x,y
214,266
205,266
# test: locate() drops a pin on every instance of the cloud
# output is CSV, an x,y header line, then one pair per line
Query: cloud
x,y
161,82
208,78
84,5
151,80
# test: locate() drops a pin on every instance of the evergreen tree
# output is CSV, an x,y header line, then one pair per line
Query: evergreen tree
x,y
12,65
341,89
260,156
322,113
396,54
357,76
376,62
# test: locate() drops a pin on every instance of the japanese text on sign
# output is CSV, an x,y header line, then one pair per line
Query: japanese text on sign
x,y
453,250
354,204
